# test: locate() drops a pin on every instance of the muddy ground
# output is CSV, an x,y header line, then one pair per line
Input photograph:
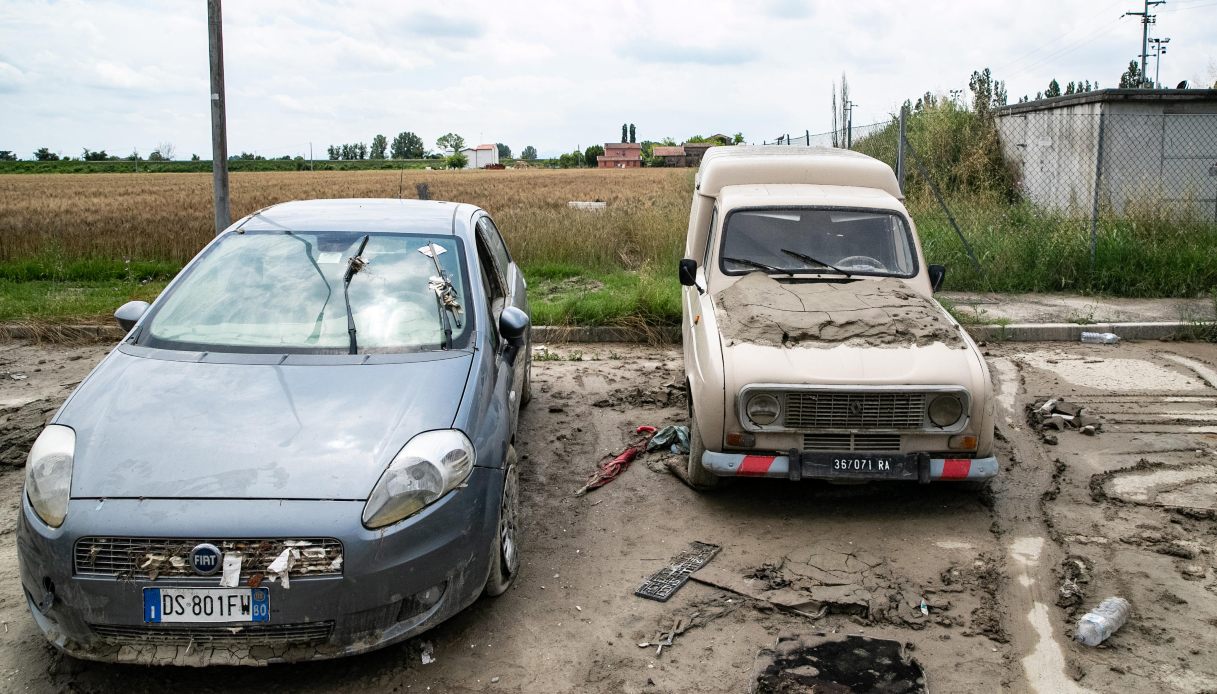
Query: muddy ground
x,y
1002,573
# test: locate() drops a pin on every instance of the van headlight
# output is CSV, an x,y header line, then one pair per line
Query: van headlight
x,y
48,473
428,467
945,409
763,409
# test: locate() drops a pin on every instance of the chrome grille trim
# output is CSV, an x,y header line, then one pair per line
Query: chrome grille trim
x,y
211,635
844,410
154,557
832,441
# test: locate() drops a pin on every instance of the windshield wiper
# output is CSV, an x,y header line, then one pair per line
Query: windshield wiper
x,y
758,265
445,294
808,259
354,265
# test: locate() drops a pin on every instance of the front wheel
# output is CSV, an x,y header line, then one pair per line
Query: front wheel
x,y
505,557
699,477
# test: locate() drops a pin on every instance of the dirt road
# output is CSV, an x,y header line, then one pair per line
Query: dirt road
x,y
1129,512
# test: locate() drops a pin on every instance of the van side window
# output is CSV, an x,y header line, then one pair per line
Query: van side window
x,y
705,261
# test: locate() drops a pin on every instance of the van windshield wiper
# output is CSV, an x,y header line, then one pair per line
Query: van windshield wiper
x,y
354,265
808,259
758,265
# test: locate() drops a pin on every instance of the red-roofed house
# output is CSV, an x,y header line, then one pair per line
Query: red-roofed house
x,y
672,155
480,156
620,155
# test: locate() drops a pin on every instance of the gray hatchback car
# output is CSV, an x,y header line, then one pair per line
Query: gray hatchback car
x,y
302,449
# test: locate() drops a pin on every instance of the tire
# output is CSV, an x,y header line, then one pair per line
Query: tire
x,y
699,477
505,549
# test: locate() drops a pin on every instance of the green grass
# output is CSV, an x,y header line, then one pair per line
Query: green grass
x,y
568,295
70,301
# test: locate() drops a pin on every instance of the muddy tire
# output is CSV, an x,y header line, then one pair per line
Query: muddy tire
x,y
505,549
698,477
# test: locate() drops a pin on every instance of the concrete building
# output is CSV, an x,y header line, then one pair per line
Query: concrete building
x,y
480,156
620,155
1156,146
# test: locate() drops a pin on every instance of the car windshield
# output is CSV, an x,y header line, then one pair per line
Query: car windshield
x,y
820,241
282,292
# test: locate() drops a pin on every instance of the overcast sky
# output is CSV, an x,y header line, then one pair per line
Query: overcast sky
x,y
548,73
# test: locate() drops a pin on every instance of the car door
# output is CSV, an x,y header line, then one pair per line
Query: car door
x,y
505,287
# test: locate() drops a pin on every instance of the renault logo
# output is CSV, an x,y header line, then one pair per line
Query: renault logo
x,y
205,559
855,409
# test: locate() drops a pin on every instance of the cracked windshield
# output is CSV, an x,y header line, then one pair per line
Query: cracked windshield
x,y
818,241
287,292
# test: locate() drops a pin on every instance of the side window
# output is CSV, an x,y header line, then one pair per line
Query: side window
x,y
705,261
494,287
488,234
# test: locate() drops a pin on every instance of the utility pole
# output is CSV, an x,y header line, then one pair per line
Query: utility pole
x,y
849,124
219,130
1146,20
1159,49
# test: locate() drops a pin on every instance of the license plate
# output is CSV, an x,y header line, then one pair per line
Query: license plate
x,y
206,605
860,465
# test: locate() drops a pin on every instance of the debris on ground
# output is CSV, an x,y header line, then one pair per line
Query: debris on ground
x,y
666,581
1075,574
1097,625
821,663
672,438
699,614
1057,414
427,656
609,468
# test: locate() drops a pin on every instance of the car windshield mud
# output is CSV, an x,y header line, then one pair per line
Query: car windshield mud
x,y
282,292
818,241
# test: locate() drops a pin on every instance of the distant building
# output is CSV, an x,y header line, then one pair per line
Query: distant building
x,y
672,156
694,151
481,156
620,155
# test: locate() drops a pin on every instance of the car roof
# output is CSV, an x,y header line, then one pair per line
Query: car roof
x,y
361,215
805,195
743,165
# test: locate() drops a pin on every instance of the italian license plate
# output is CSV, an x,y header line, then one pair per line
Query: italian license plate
x,y
860,465
206,605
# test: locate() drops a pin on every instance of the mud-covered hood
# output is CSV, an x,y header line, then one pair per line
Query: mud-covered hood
x,y
148,427
934,364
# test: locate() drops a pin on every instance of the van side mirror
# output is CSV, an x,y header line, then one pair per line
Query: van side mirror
x,y
688,272
513,326
129,314
937,273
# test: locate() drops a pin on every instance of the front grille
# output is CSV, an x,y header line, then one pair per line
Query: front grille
x,y
893,410
157,557
852,442
288,634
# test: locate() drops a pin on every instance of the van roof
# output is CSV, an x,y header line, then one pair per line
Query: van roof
x,y
759,164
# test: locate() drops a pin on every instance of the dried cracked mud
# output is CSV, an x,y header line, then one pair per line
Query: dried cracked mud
x,y
980,588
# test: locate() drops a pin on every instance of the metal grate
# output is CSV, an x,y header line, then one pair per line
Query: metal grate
x,y
153,557
845,410
294,634
851,442
666,581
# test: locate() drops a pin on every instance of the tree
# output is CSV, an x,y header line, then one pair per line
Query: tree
x,y
457,161
407,145
529,153
632,140
333,152
840,112
504,150
738,139
592,154
1054,89
133,156
7,155
450,141
194,157
624,128
1131,79
380,144
157,156
167,150
94,156
44,154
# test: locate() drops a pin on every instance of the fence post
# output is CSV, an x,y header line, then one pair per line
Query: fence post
x,y
900,152
1094,208
807,137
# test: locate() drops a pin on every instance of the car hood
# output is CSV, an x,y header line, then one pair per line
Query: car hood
x,y
158,428
935,364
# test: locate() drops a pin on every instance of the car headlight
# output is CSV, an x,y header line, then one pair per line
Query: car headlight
x,y
429,466
763,409
945,409
48,473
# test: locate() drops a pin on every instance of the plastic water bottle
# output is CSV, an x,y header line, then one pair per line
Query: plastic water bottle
x,y
1097,625
1100,338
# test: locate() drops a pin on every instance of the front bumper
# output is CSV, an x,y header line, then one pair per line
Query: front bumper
x,y
387,590
779,467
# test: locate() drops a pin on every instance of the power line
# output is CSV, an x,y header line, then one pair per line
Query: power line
x,y
1146,20
1014,63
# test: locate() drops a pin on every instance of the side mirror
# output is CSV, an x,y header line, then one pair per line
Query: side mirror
x,y
688,272
938,273
129,314
513,326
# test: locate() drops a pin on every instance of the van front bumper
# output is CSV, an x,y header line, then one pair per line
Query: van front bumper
x,y
920,467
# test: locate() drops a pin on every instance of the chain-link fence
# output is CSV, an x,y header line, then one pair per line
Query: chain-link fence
x,y
1112,162
843,138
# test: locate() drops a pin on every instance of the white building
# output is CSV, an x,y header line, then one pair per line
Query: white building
x,y
480,156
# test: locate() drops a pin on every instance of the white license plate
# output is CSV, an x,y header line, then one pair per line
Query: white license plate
x,y
206,605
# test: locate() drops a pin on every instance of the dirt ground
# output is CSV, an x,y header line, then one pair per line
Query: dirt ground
x,y
1002,573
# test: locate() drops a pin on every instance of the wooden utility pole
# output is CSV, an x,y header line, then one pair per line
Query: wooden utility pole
x,y
219,128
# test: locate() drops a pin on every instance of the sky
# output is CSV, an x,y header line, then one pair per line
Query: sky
x,y
554,74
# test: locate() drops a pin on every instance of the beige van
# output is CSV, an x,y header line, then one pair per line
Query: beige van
x,y
813,348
